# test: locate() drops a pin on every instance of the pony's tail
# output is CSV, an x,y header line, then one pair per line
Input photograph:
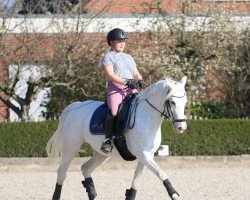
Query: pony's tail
x,y
54,146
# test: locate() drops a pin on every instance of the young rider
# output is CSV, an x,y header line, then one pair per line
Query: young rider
x,y
121,74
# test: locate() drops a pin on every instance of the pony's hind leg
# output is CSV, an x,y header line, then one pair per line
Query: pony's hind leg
x,y
67,156
87,169
131,193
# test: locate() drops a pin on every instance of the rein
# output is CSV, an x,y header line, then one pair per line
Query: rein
x,y
162,113
120,90
117,91
169,113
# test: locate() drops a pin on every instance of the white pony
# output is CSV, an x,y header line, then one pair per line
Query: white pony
x,y
163,98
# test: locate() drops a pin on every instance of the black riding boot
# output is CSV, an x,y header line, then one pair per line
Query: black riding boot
x,y
108,128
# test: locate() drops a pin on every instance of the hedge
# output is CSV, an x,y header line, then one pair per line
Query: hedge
x,y
25,139
209,137
203,137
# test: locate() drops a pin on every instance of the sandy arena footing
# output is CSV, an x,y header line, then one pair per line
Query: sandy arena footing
x,y
195,178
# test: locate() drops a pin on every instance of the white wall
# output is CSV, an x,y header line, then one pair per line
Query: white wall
x,y
59,24
26,72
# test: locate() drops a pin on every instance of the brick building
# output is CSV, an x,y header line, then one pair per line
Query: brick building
x,y
117,14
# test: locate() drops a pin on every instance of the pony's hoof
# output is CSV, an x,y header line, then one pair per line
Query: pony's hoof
x,y
90,188
57,193
130,194
175,197
92,197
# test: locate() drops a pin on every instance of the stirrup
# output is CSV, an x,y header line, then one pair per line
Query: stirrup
x,y
107,146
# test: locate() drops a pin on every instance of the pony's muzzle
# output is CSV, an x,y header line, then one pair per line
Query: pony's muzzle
x,y
180,130
180,127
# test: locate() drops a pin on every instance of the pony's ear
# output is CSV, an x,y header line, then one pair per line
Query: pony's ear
x,y
183,80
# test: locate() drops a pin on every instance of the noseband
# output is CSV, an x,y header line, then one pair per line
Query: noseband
x,y
167,110
170,113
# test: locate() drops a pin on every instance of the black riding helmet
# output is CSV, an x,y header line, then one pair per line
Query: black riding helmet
x,y
116,34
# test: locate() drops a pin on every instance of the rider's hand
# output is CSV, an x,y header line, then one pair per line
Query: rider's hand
x,y
130,83
141,83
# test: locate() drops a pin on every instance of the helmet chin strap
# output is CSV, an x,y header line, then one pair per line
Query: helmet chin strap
x,y
113,49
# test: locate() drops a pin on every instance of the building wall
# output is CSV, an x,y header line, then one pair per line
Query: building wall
x,y
170,6
22,34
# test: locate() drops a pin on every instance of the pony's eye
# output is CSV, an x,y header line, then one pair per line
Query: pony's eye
x,y
172,102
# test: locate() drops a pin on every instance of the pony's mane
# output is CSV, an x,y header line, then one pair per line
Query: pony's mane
x,y
165,85
156,87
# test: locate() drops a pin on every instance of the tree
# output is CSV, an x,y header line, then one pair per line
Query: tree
x,y
190,45
235,75
53,6
68,60
77,74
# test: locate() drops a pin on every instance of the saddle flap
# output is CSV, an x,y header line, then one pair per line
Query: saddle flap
x,y
125,112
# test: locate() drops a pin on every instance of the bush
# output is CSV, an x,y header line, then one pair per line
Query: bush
x,y
203,137
208,110
25,139
209,137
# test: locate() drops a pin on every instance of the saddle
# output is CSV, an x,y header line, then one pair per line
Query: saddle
x,y
124,120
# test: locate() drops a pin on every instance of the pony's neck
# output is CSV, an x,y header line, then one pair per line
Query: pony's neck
x,y
157,101
156,94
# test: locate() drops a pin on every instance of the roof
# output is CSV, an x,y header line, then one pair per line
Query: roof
x,y
170,6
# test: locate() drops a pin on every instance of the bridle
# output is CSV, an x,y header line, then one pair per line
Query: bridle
x,y
167,110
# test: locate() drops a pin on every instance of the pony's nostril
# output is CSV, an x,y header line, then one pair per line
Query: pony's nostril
x,y
180,129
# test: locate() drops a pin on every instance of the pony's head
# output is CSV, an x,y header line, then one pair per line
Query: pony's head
x,y
175,103
169,98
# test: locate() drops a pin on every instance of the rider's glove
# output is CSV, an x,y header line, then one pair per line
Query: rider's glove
x,y
130,83
141,83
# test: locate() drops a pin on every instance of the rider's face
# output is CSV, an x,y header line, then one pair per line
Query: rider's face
x,y
118,45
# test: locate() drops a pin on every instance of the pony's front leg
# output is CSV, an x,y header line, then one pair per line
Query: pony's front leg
x,y
148,159
131,193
